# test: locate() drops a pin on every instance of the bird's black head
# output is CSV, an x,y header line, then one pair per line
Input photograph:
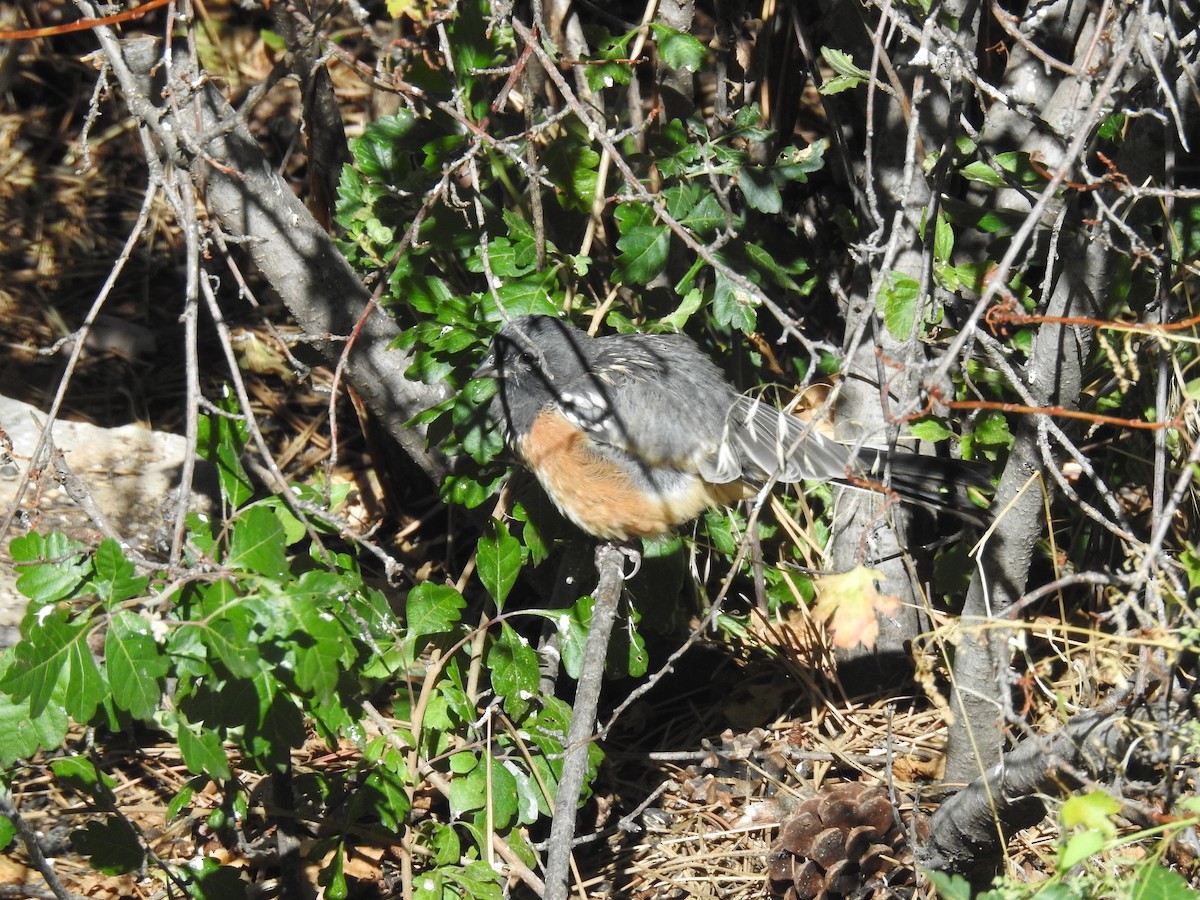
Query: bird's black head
x,y
531,358
534,352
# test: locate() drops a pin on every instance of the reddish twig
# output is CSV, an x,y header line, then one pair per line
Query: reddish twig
x,y
83,24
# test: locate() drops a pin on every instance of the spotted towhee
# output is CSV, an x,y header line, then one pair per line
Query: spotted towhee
x,y
634,434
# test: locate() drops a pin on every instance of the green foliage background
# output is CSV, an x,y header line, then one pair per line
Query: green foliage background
x,y
471,213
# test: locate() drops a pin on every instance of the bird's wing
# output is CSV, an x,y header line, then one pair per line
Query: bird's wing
x,y
661,400
776,444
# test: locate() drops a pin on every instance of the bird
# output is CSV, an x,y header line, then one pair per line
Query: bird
x,y
633,435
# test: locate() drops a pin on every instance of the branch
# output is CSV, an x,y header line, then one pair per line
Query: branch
x,y
609,562
967,833
289,248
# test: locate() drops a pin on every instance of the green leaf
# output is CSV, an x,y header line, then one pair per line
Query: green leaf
x,y
797,163
984,218
684,285
643,254
202,752
471,791
81,774
209,880
112,845
7,832
528,794
760,190
509,259
732,306
434,885
433,609
1080,846
572,635
503,795
1093,810
474,41
848,74
531,536
547,731
839,83
385,152
424,292
322,647
445,844
1155,882
843,63
685,310
602,75
950,887
86,685
225,628
1112,128
39,661
498,561
134,664
258,543
705,217
293,529
220,440
780,271
901,304
280,728
930,429
114,577
471,492
514,667
1189,558
981,173
414,9
23,733
574,166
991,429
943,239
478,881
61,572
468,791
1016,165
384,796
679,50
527,296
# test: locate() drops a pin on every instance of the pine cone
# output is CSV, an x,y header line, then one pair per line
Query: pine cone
x,y
845,842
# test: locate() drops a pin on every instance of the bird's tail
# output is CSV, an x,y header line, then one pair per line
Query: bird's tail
x,y
954,486
774,444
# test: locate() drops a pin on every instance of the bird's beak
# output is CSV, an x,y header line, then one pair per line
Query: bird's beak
x,y
487,368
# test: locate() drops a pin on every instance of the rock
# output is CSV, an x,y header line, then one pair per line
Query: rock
x,y
130,473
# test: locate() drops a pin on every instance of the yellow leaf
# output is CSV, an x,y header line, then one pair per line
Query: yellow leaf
x,y
414,9
850,604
